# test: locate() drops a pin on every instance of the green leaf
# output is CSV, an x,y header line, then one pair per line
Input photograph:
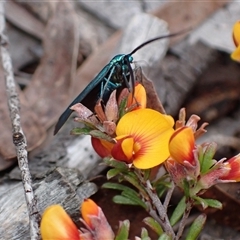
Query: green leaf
x,y
214,203
162,188
123,230
112,173
80,131
127,193
186,187
164,237
153,224
162,185
100,135
118,186
146,173
201,201
208,202
119,199
163,179
144,234
115,164
132,178
178,212
200,154
122,107
133,196
207,158
196,227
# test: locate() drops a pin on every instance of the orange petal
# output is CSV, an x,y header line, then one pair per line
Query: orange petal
x,y
236,33
95,219
182,144
140,97
123,149
57,225
234,165
103,148
89,208
151,132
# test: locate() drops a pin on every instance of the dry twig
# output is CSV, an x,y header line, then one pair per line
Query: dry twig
x,y
18,136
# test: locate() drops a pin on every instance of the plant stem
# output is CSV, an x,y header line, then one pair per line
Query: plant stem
x,y
184,218
164,220
168,196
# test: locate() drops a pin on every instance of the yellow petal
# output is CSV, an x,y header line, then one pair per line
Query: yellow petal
x,y
151,132
236,54
169,119
127,146
236,33
57,225
182,144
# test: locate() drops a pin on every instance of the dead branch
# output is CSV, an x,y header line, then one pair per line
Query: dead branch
x,y
19,139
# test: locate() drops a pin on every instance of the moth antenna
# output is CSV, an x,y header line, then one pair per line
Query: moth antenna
x,y
158,38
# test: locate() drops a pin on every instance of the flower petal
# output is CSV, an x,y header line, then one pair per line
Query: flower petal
x,y
56,224
95,219
236,54
236,33
236,38
234,165
181,145
123,149
151,132
103,148
89,207
139,99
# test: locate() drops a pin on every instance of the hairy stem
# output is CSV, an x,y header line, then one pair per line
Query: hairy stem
x,y
184,219
164,220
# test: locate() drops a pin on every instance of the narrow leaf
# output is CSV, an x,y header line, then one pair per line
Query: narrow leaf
x,y
115,164
118,186
186,187
147,173
112,173
132,178
153,224
214,203
196,227
123,230
178,212
207,159
135,198
208,203
122,107
164,237
144,234
100,135
119,199
80,131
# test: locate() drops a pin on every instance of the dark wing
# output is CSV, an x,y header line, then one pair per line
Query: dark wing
x,y
80,98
